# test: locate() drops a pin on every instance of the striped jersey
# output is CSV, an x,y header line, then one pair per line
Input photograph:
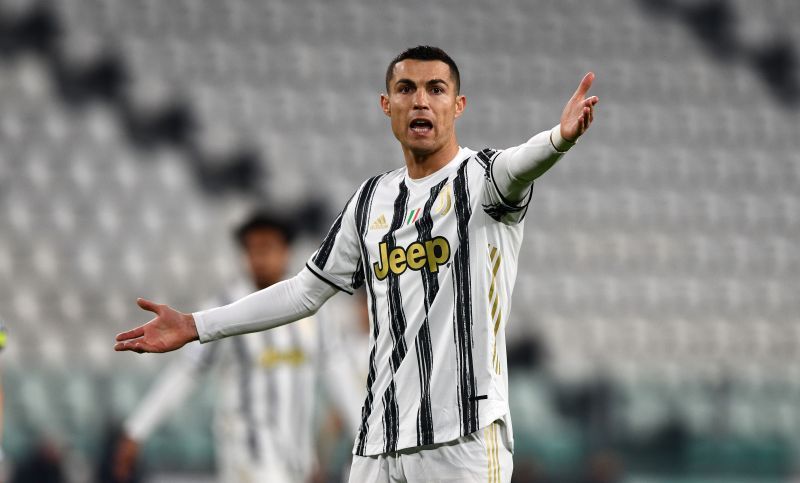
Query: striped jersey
x,y
265,402
438,258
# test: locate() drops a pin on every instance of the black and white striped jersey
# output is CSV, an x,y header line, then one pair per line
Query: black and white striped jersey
x,y
438,257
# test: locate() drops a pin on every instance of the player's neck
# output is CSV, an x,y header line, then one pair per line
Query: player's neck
x,y
422,165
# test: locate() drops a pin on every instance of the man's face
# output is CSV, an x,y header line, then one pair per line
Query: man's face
x,y
423,105
267,253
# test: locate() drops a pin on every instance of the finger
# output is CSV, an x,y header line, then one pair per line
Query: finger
x,y
148,305
124,346
131,334
137,345
590,101
591,114
584,86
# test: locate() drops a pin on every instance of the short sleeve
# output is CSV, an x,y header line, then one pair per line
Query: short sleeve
x,y
338,259
494,203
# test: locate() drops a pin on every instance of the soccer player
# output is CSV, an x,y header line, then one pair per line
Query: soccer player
x,y
436,244
267,381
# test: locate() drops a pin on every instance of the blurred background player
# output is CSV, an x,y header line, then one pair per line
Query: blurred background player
x,y
264,414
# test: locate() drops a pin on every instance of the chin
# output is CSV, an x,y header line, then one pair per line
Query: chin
x,y
422,147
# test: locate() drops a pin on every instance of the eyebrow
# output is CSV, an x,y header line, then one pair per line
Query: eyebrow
x,y
430,82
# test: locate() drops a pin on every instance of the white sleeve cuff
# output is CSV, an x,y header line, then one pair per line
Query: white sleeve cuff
x,y
559,143
200,325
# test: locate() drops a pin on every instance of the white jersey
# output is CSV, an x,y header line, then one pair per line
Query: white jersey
x,y
266,390
438,256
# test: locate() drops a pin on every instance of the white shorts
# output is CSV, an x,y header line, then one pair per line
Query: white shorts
x,y
237,464
240,467
483,456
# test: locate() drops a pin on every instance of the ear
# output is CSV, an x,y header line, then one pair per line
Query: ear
x,y
385,105
461,104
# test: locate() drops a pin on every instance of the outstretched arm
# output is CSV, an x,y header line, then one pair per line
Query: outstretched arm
x,y
277,305
516,168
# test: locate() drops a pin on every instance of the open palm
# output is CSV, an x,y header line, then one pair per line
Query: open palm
x,y
167,331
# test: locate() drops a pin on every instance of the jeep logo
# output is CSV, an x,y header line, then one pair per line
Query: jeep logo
x,y
433,252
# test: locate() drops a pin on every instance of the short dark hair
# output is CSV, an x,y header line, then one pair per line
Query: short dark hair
x,y
265,220
425,52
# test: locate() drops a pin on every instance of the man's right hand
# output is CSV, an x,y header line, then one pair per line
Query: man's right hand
x,y
169,330
125,455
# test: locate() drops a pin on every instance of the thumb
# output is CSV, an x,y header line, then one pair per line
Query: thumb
x,y
148,305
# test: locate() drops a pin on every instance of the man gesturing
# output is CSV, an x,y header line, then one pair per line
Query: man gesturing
x,y
435,243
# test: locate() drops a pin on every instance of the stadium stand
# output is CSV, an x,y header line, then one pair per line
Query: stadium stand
x,y
661,255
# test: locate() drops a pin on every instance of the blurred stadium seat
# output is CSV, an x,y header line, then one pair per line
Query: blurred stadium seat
x,y
662,251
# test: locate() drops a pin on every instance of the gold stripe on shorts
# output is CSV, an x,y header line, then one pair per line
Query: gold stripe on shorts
x,y
486,432
490,434
496,454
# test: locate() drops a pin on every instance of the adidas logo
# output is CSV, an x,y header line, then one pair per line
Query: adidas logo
x,y
379,224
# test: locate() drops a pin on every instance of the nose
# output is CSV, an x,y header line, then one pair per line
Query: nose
x,y
421,99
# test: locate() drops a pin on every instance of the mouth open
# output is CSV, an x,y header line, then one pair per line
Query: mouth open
x,y
421,126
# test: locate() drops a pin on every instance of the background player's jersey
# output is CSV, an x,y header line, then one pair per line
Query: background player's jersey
x,y
266,390
438,258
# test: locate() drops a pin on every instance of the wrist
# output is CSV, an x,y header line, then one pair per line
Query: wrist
x,y
559,142
191,326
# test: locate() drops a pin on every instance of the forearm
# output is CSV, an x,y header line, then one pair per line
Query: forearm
x,y
342,389
284,302
167,394
515,169
339,373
